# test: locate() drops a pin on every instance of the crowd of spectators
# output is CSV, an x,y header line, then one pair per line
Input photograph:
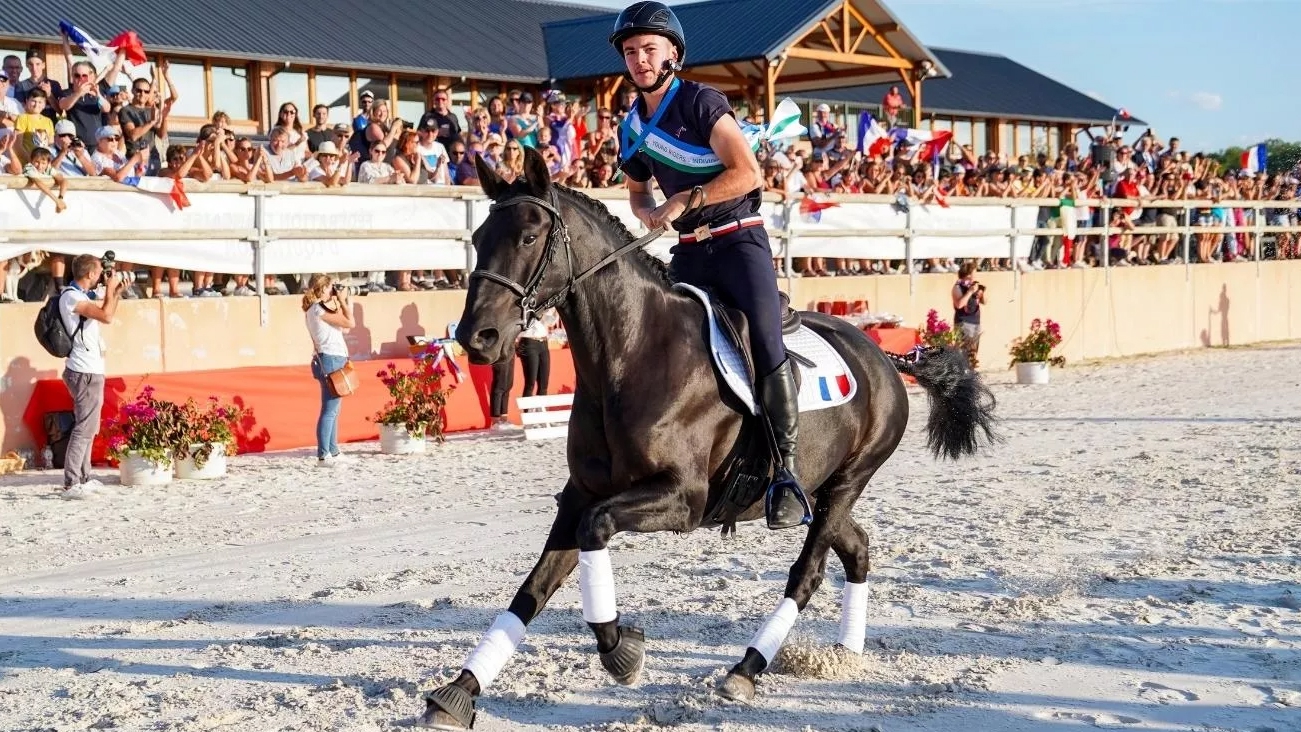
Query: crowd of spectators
x,y
106,124
1106,166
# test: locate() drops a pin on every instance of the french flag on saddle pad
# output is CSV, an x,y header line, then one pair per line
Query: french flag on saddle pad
x,y
1253,159
830,388
103,55
173,188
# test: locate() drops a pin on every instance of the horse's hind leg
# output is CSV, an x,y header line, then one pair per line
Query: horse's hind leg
x,y
831,524
452,706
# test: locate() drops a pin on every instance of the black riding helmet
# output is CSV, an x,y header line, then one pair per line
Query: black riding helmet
x,y
649,17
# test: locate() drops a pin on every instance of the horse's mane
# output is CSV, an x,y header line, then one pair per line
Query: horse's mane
x,y
621,232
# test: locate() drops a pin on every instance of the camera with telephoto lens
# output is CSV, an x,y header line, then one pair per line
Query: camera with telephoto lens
x,y
352,290
109,263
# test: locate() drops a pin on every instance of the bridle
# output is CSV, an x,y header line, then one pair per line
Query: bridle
x,y
556,237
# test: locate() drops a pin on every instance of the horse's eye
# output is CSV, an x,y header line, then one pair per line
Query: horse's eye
x,y
530,240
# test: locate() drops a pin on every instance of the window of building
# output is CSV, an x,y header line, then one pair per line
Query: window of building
x,y
412,103
191,86
1006,137
1054,141
979,143
230,91
1023,139
285,87
334,92
962,132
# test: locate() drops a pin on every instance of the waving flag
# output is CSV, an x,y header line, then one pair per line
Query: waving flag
x,y
1254,159
173,188
785,125
932,149
102,55
872,137
811,208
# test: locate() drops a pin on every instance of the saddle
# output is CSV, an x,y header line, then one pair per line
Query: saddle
x,y
823,378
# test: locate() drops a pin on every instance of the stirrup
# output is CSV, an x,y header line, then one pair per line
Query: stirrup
x,y
785,484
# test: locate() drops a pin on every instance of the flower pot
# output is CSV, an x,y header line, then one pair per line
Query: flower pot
x,y
188,469
137,470
1032,372
395,440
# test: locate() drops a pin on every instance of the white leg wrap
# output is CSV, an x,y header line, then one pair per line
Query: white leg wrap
x,y
492,653
774,630
596,582
853,617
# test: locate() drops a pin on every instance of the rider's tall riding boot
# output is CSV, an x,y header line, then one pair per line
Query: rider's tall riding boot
x,y
785,504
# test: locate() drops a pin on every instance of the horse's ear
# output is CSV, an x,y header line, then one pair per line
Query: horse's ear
x,y
492,184
536,172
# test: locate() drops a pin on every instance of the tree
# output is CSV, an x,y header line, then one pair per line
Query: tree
x,y
1280,156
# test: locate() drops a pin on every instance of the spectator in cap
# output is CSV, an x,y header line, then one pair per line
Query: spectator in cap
x,y
37,79
72,159
112,163
822,130
524,124
360,144
447,128
432,155
9,162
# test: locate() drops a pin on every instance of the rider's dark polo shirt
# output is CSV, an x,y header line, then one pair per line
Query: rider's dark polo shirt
x,y
677,152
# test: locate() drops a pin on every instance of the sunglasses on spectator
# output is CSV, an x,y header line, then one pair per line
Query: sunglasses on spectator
x,y
244,148
114,138
67,135
374,150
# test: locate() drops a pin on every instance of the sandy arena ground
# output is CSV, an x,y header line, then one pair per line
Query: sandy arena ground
x,y
1129,559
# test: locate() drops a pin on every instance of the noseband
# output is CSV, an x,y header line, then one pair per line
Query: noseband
x,y
558,236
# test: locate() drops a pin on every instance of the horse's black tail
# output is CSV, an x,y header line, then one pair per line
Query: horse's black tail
x,y
962,407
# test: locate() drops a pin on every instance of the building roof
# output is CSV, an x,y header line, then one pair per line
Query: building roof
x,y
498,39
988,85
720,31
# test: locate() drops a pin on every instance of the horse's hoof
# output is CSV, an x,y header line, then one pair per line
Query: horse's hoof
x,y
449,708
625,660
736,687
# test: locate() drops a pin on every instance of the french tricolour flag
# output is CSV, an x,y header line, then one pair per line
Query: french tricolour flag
x,y
837,385
872,137
103,55
1253,159
173,188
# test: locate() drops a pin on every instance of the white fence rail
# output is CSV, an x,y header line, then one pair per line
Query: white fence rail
x,y
298,228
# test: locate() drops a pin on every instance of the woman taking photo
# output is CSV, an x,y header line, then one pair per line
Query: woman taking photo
x,y
327,313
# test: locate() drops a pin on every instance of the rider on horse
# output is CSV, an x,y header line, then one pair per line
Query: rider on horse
x,y
686,136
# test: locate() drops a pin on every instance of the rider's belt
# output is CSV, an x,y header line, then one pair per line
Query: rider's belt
x,y
708,232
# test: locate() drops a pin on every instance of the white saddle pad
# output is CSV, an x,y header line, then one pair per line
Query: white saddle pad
x,y
828,383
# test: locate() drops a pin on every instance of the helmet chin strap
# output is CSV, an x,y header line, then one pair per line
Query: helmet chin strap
x,y
670,66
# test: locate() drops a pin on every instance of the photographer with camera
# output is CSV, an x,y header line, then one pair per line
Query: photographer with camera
x,y
328,313
968,296
84,369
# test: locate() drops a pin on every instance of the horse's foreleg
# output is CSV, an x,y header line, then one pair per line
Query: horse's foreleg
x,y
652,505
805,577
452,706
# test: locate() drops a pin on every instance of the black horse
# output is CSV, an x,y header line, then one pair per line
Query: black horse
x,y
650,435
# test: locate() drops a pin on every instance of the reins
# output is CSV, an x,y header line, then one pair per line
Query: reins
x,y
527,292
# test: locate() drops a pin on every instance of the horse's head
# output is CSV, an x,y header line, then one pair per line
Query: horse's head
x,y
523,260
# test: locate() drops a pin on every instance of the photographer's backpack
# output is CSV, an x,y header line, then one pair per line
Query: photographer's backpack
x,y
51,332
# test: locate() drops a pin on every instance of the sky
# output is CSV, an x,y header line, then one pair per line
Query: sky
x,y
1215,73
